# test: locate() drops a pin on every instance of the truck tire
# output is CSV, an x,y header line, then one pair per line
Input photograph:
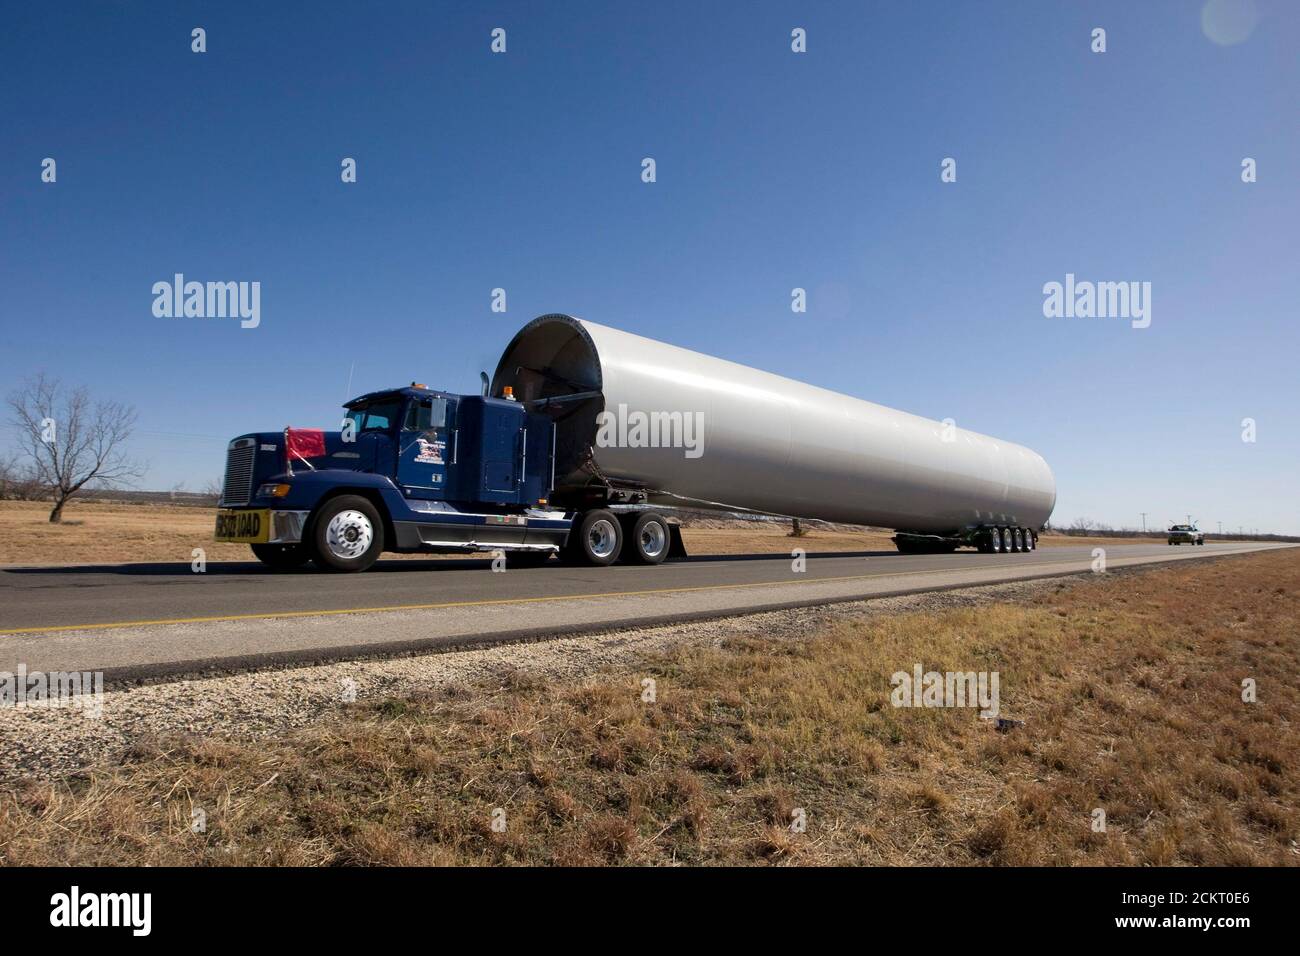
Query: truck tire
x,y
346,534
1030,543
993,540
1006,540
648,539
596,538
1017,539
281,557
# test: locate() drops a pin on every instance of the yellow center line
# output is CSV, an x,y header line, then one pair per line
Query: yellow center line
x,y
330,612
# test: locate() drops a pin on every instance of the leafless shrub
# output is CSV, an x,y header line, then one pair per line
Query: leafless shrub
x,y
69,442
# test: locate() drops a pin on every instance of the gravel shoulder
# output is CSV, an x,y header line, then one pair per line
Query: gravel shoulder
x,y
43,743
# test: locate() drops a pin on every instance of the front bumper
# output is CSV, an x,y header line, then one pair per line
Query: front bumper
x,y
260,526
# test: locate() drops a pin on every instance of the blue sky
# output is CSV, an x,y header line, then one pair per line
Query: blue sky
x,y
775,170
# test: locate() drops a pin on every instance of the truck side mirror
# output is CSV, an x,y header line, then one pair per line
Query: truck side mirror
x,y
484,384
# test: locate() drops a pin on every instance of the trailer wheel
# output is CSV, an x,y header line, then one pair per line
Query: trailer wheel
x,y
648,539
1030,543
1018,536
281,557
1005,534
599,538
347,534
993,540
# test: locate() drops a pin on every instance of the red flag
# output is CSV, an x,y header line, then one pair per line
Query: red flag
x,y
304,443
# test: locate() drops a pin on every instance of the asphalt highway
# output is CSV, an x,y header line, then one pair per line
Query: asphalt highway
x,y
145,620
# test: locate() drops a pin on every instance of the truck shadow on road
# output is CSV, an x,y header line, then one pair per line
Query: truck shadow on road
x,y
393,566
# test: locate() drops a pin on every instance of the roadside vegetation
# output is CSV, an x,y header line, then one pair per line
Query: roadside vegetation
x,y
1129,687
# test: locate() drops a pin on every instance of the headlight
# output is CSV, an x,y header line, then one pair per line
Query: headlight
x,y
273,491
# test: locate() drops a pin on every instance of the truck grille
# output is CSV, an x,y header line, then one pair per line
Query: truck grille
x,y
238,487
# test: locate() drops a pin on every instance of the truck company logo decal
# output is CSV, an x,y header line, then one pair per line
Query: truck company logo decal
x,y
430,452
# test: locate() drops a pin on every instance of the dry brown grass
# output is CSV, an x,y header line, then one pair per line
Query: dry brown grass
x,y
1130,689
95,532
102,533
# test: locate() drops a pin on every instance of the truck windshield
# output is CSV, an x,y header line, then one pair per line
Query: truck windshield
x,y
376,417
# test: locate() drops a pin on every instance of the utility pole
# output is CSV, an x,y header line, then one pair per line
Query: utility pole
x,y
1220,527
1144,522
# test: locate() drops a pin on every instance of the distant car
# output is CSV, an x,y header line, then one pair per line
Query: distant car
x,y
1186,534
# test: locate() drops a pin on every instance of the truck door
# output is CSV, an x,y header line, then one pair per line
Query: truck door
x,y
424,453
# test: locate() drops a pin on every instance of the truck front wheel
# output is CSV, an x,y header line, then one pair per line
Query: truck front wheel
x,y
347,534
281,557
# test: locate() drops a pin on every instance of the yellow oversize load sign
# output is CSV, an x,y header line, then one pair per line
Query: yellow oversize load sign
x,y
250,527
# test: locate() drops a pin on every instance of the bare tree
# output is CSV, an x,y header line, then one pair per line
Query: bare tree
x,y
1082,525
69,441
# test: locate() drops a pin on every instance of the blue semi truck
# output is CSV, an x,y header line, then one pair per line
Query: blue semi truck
x,y
415,469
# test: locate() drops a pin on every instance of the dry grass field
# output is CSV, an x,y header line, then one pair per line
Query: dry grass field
x,y
103,533
1129,686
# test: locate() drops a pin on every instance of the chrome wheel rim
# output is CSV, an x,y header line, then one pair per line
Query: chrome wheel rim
x,y
601,538
652,539
349,535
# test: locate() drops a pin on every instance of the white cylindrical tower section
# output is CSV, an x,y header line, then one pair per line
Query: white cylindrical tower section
x,y
690,429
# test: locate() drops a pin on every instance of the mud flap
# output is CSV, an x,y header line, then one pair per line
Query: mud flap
x,y
676,548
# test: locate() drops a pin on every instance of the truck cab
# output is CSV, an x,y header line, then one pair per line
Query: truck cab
x,y
410,469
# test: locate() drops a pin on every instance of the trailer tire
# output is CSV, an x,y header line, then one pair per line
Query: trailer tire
x,y
993,538
347,534
281,557
596,539
648,539
1031,544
